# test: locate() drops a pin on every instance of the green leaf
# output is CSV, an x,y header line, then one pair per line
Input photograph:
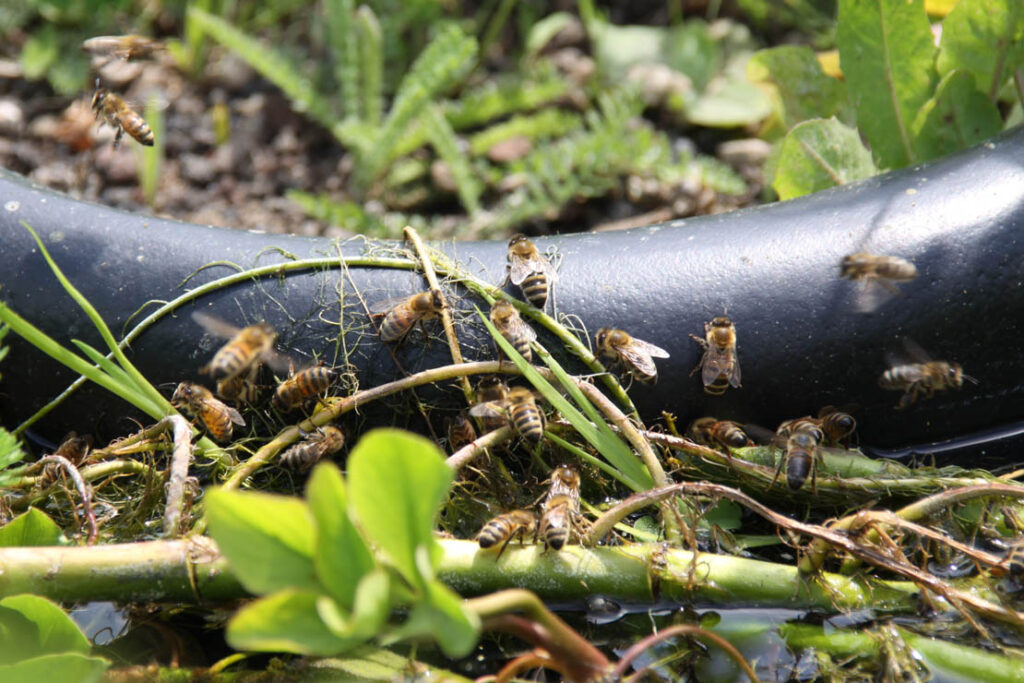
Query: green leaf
x,y
397,482
39,52
269,540
956,118
798,86
370,613
616,48
442,138
631,472
55,632
287,621
985,38
729,102
820,154
888,59
56,667
341,37
690,50
342,556
371,64
541,32
10,452
442,615
31,528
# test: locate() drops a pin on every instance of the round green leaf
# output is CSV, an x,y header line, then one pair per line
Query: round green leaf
x,y
57,633
31,528
820,154
69,666
287,621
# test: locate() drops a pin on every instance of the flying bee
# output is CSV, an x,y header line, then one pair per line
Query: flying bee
x,y
248,347
802,437
115,112
713,432
460,431
492,389
506,319
561,513
876,275
922,376
519,408
216,416
327,440
719,366
400,315
530,270
505,528
835,424
302,386
122,47
635,355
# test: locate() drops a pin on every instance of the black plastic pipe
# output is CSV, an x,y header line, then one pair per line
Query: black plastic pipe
x,y
774,269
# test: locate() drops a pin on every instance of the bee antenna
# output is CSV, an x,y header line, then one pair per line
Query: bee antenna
x,y
970,379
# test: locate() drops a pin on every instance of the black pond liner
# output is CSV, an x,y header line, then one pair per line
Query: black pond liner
x,y
774,269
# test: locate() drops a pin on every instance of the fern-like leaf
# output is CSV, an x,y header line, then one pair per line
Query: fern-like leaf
x,y
271,64
341,36
448,57
549,123
443,139
371,56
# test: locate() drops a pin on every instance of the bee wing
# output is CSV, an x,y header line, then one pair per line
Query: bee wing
x,y
633,355
488,409
278,362
721,362
385,306
235,416
871,293
522,268
215,326
915,352
650,349
522,329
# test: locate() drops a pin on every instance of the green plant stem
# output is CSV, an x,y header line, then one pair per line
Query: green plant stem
x,y
582,661
89,473
192,570
470,451
166,308
178,473
341,406
570,341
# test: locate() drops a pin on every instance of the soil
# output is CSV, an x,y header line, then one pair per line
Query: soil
x,y
241,180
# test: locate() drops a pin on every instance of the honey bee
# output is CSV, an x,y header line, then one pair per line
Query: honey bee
x,y
216,416
802,437
921,376
74,448
491,389
504,528
713,432
327,440
719,366
302,386
115,112
247,348
530,270
123,47
460,431
635,355
506,319
400,317
561,514
519,408
876,274
240,387
835,424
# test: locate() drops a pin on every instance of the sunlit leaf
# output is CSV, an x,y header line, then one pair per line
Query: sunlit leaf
x,y
68,666
820,154
985,38
34,626
397,481
268,539
798,85
888,57
31,528
342,556
287,621
957,117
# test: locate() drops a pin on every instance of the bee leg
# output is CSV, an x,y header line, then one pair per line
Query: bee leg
x,y
117,136
504,545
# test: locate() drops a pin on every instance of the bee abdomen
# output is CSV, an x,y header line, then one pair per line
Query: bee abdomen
x,y
535,288
140,130
394,327
302,457
529,424
556,537
718,387
217,422
797,469
523,347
